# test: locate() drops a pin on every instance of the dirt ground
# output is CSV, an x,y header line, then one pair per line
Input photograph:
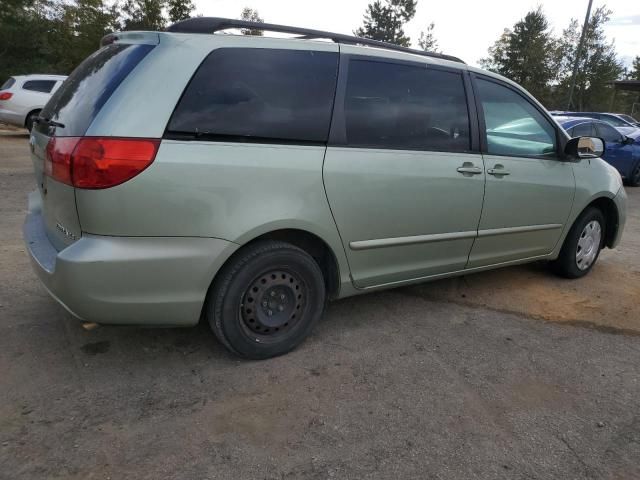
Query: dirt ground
x,y
507,374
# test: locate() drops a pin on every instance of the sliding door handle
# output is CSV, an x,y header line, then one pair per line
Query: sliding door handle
x,y
469,169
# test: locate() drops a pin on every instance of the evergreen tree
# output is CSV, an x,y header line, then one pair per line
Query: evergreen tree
x,y
384,20
250,15
427,40
179,9
526,54
143,15
634,74
598,65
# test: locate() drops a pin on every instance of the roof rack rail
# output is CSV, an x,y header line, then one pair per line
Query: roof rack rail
x,y
216,24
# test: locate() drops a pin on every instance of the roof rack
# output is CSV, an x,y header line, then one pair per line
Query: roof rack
x,y
216,24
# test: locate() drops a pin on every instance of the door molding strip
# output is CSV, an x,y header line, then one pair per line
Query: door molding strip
x,y
508,230
443,237
399,241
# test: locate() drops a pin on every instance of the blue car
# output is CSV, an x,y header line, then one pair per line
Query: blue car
x,y
621,151
616,120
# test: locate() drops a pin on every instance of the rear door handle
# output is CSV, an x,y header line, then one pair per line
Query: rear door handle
x,y
469,169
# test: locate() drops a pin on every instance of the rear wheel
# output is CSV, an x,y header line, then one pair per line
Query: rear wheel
x,y
267,300
634,178
31,119
582,246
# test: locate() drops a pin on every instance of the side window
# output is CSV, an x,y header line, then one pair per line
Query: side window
x,y
609,134
583,130
514,126
42,86
260,93
389,105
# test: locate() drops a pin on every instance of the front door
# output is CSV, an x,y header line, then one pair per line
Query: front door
x,y
403,183
529,190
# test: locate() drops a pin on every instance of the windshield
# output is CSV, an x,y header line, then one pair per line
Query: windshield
x,y
629,118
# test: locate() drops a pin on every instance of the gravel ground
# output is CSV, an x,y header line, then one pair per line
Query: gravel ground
x,y
489,376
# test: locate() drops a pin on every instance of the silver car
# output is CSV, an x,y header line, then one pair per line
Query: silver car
x,y
23,97
245,180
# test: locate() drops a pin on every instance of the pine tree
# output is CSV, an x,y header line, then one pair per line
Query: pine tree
x,y
179,9
526,54
384,19
598,65
143,15
634,74
250,15
427,40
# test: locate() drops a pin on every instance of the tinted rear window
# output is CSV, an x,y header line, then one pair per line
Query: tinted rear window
x,y
397,106
8,84
42,86
77,102
244,93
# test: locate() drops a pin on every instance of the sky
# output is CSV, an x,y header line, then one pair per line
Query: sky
x,y
464,28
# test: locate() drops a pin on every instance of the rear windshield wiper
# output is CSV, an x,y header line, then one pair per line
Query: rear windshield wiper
x,y
48,121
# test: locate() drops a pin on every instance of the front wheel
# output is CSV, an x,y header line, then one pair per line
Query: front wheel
x,y
582,246
267,300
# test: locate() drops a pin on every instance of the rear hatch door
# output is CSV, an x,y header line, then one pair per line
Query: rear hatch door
x,y
69,113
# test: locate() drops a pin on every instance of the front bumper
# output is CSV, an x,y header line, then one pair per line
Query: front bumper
x,y
621,204
161,281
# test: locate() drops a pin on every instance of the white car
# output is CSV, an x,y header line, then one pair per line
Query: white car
x,y
22,97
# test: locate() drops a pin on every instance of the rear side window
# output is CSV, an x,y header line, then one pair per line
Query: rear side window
x,y
281,95
42,86
8,84
583,130
77,102
396,106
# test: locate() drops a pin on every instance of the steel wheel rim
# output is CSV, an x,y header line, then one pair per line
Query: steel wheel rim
x,y
272,305
588,244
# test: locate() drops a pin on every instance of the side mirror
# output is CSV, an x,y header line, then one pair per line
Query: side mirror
x,y
627,141
585,147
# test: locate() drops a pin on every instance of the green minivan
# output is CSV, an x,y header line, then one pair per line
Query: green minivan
x,y
245,180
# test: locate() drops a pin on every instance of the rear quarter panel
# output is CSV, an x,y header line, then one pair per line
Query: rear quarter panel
x,y
229,191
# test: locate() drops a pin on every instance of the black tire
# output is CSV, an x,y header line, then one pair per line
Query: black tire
x,y
30,120
266,300
634,178
567,264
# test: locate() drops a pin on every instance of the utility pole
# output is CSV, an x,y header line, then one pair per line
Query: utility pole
x,y
578,54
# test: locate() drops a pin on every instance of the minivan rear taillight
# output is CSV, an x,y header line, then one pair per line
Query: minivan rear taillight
x,y
5,95
98,162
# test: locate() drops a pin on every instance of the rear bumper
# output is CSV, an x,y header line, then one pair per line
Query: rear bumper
x,y
11,117
127,280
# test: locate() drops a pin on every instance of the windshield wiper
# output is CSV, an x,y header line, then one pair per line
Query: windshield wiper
x,y
48,121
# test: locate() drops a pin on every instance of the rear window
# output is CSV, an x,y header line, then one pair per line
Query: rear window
x,y
8,84
77,102
42,86
273,94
